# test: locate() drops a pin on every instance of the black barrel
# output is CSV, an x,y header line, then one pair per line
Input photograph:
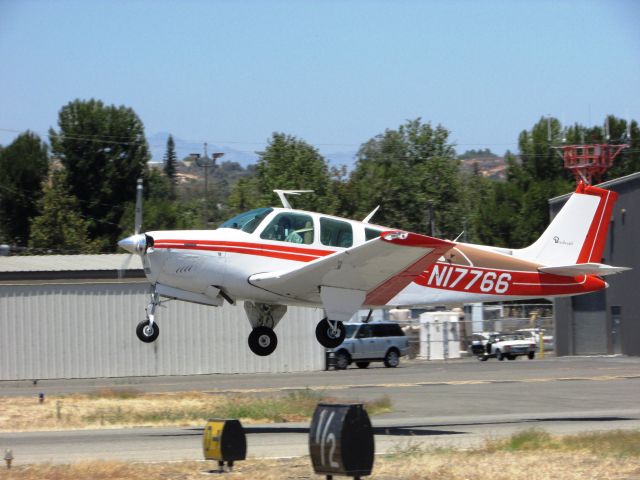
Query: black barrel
x,y
341,440
224,440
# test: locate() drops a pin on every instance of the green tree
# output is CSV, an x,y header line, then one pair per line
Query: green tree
x,y
538,176
160,211
23,167
628,161
104,150
60,228
287,163
170,164
409,172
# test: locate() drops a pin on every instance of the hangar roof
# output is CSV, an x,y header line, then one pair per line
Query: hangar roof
x,y
75,263
68,267
607,184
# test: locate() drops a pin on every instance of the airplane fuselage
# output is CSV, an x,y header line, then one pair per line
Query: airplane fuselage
x,y
196,260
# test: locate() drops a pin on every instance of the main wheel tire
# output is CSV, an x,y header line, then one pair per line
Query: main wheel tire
x,y
342,360
392,358
483,358
499,355
512,357
147,332
263,341
531,355
327,337
362,364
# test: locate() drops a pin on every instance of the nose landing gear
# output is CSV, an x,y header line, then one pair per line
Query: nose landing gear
x,y
147,330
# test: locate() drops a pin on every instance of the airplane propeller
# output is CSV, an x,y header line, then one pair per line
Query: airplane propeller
x,y
136,243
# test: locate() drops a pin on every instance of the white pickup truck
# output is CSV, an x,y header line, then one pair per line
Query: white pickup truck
x,y
509,346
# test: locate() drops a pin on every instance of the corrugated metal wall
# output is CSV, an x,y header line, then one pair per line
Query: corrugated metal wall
x,y
88,330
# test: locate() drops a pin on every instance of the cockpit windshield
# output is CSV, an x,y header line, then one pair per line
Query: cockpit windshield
x,y
247,221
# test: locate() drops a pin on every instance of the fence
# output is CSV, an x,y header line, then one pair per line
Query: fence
x,y
478,318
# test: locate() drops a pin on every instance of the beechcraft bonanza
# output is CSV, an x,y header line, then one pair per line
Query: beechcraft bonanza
x,y
275,257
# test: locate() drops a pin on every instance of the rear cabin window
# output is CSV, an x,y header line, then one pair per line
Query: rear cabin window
x,y
370,233
290,227
335,233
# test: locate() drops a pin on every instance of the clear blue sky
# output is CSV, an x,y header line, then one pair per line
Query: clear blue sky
x,y
334,73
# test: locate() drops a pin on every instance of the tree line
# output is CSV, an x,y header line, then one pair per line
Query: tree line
x,y
76,193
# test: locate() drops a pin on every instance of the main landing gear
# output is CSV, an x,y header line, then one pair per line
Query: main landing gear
x,y
147,330
263,318
330,333
263,341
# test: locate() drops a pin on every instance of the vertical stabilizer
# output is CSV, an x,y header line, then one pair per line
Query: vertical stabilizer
x,y
578,233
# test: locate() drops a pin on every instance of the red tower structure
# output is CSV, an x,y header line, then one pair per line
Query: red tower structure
x,y
588,162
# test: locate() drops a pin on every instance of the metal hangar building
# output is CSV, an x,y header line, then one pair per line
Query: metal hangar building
x,y
74,316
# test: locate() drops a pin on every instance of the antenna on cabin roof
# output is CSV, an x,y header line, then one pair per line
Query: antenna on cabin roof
x,y
370,216
282,194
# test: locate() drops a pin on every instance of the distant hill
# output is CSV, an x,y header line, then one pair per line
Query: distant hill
x,y
184,148
485,161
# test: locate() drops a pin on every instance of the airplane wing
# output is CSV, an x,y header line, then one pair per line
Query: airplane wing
x,y
368,274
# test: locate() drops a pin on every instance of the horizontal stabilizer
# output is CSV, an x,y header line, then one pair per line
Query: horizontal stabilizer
x,y
583,269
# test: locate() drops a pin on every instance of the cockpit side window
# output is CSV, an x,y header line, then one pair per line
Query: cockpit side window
x,y
335,233
370,233
247,221
290,227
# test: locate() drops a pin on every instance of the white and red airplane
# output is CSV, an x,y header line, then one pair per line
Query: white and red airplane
x,y
274,257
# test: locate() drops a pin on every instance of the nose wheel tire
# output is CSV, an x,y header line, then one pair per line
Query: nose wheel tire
x,y
328,336
147,332
263,341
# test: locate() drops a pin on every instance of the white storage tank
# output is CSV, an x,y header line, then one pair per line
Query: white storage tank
x,y
440,335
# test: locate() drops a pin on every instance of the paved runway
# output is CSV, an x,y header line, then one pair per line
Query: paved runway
x,y
458,403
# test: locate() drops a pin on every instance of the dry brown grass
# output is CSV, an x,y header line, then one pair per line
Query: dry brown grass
x,y
441,465
114,408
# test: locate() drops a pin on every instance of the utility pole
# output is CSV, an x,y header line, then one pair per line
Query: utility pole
x,y
432,218
206,162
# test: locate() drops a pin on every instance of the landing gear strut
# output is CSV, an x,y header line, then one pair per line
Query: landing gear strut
x,y
147,330
330,333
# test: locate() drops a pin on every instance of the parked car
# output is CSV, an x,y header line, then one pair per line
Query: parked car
x,y
479,342
371,342
535,334
509,346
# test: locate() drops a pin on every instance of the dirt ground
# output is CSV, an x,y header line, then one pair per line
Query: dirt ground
x,y
124,408
454,465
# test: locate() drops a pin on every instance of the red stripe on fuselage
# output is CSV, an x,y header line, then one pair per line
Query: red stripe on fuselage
x,y
300,254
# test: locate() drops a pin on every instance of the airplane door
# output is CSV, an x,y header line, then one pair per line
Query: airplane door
x,y
616,325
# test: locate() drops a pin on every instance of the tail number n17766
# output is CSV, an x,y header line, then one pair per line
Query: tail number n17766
x,y
461,278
